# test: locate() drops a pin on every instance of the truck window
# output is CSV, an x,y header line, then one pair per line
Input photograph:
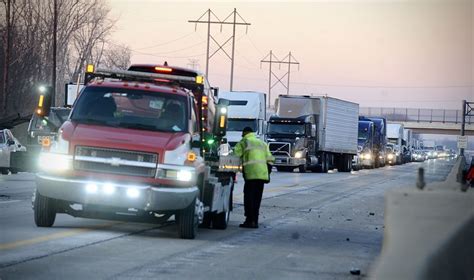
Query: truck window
x,y
363,133
278,128
129,108
2,137
240,124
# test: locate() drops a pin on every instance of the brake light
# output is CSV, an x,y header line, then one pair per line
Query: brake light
x,y
163,69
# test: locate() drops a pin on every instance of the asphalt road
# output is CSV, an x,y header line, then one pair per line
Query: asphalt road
x,y
313,226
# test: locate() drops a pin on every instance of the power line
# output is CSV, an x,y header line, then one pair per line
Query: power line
x,y
167,43
216,20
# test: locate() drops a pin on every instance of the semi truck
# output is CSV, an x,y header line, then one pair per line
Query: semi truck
x,y
395,139
365,145
140,145
313,133
373,155
246,109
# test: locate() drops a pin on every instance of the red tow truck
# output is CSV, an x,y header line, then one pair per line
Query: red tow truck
x,y
140,145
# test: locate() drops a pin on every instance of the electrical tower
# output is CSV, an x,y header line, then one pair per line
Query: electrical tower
x,y
193,63
215,20
272,59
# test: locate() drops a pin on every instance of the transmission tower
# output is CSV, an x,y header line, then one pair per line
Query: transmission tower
x,y
213,19
272,59
193,63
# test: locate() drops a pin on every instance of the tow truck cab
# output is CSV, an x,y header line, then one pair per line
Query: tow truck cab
x,y
140,144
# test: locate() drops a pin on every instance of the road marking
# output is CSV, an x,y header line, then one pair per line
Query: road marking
x,y
277,189
10,201
49,237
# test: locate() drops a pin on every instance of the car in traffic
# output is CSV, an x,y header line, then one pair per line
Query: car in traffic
x,y
8,145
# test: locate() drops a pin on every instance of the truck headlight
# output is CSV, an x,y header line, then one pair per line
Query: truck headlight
x,y
184,175
390,156
55,162
299,154
176,172
367,156
57,159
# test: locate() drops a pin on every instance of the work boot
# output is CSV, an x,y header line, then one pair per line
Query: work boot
x,y
249,225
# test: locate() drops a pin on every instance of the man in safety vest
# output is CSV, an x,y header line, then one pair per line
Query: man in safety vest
x,y
255,157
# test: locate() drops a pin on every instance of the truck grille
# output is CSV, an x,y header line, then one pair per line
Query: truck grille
x,y
114,161
280,148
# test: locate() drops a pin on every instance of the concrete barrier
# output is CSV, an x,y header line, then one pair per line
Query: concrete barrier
x,y
429,233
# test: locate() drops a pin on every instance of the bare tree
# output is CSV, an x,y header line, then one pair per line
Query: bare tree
x,y
26,60
116,57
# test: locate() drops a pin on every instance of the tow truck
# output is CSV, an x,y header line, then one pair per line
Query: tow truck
x,y
141,145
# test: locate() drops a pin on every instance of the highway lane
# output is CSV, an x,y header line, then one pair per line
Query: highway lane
x,y
313,226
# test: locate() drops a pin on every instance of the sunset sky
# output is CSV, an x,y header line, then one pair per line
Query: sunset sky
x,y
407,53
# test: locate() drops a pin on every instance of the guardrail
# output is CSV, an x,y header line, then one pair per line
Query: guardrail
x,y
429,231
415,115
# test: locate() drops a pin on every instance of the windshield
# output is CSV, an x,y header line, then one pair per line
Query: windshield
x,y
2,137
129,108
363,133
240,124
278,128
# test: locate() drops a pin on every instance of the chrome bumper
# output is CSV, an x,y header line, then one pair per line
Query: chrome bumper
x,y
145,197
289,161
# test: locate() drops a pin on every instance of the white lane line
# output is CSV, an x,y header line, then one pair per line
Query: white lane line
x,y
9,201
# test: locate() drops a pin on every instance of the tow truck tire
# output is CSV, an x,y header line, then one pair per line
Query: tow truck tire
x,y
188,222
44,211
4,171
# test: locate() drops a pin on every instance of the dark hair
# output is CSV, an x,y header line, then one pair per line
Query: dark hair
x,y
247,130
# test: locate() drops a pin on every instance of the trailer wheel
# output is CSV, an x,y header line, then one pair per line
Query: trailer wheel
x,y
324,163
302,168
187,220
44,210
4,171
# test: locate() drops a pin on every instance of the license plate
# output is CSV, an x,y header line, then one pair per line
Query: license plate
x,y
278,161
43,138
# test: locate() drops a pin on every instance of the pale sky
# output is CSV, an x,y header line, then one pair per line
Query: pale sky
x,y
406,53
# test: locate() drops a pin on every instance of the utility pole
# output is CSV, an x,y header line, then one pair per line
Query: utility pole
x,y
272,59
193,63
55,41
216,20
6,62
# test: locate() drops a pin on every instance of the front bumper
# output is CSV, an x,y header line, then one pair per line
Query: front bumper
x,y
289,161
146,197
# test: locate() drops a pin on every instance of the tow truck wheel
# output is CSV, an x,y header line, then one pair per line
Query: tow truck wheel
x,y
44,210
188,221
4,171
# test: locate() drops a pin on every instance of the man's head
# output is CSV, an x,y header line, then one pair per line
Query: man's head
x,y
246,131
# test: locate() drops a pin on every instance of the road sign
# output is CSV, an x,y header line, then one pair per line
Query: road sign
x,y
462,142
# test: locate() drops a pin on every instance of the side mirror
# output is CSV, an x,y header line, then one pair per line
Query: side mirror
x,y
215,91
45,100
220,123
10,142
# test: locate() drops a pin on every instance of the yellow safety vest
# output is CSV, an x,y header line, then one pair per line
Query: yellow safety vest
x,y
255,155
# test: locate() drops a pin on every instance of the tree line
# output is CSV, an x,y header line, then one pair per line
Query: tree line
x,y
83,33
